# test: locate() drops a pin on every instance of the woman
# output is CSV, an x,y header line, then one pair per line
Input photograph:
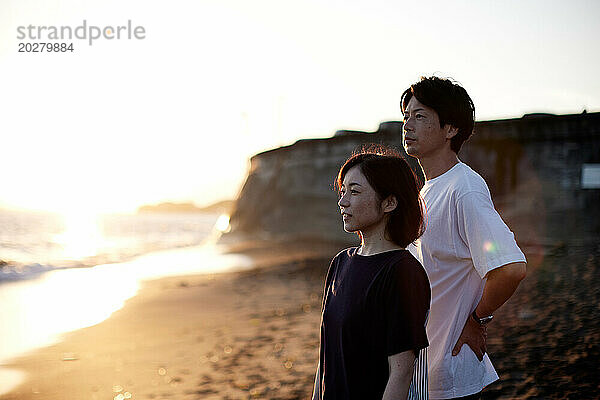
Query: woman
x,y
376,296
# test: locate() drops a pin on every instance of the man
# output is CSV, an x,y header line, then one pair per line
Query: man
x,y
470,255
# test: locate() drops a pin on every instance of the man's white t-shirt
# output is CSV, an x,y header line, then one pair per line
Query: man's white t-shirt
x,y
464,239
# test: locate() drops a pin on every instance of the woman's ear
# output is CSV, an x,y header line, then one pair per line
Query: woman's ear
x,y
390,203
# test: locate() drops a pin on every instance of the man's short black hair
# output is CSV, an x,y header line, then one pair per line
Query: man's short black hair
x,y
451,102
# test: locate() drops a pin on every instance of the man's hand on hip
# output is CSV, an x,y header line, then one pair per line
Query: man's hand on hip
x,y
475,336
500,285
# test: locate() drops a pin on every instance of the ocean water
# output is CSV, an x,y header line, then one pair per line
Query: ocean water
x,y
35,242
63,275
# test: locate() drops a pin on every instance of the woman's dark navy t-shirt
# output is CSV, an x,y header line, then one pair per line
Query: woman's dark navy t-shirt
x,y
373,307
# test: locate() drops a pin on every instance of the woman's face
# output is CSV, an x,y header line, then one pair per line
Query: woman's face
x,y
359,204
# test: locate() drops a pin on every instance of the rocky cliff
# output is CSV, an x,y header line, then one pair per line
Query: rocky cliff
x,y
533,166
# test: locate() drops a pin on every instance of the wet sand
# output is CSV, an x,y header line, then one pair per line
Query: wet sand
x,y
251,334
254,334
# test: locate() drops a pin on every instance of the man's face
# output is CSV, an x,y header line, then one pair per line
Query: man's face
x,y
422,135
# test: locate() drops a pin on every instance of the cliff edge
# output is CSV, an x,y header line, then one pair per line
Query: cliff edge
x,y
533,165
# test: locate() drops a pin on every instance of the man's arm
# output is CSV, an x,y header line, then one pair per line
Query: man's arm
x,y
500,286
401,367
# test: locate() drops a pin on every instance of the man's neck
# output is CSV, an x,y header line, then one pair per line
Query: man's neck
x,y
438,164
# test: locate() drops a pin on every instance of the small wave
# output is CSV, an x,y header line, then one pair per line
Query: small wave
x,y
18,272
40,242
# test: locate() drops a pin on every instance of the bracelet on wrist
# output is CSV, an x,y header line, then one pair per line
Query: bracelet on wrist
x,y
481,321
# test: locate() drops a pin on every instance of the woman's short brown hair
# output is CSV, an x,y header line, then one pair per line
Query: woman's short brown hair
x,y
389,174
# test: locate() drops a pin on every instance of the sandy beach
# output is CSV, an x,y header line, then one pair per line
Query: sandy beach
x,y
250,334
254,334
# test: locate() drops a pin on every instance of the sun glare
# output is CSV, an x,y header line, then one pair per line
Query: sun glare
x,y
81,237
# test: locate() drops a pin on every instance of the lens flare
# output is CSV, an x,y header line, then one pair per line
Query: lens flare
x,y
222,224
489,247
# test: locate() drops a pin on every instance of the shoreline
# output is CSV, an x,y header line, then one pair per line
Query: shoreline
x,y
41,310
178,328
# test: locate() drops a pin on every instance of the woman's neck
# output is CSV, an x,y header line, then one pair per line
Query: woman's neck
x,y
375,245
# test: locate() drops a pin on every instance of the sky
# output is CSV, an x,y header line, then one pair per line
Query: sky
x,y
176,115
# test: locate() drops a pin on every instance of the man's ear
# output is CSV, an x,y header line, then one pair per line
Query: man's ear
x,y
390,203
451,131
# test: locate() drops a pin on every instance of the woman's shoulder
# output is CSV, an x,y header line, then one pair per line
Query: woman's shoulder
x,y
346,253
339,262
402,272
405,264
342,257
